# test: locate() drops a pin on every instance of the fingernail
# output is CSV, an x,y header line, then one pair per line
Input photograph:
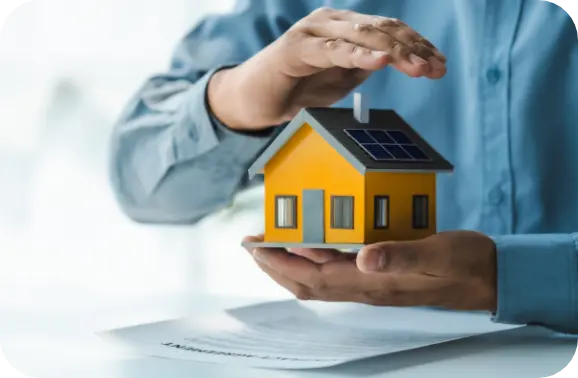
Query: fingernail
x,y
379,54
376,259
417,60
436,64
441,57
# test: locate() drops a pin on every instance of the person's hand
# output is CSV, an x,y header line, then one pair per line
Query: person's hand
x,y
455,270
317,62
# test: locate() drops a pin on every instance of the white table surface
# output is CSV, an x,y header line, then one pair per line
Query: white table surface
x,y
61,343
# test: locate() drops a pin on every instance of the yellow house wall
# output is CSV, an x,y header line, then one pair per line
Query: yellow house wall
x,y
307,161
400,187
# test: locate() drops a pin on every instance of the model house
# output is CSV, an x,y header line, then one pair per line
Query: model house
x,y
344,178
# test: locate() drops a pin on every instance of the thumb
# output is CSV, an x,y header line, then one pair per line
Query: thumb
x,y
399,257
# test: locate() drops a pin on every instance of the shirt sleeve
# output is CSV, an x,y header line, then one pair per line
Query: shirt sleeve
x,y
171,161
538,281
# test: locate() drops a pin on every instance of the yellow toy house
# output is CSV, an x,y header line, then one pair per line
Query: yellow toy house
x,y
345,178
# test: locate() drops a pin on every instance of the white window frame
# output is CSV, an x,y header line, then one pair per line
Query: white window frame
x,y
381,217
342,212
286,212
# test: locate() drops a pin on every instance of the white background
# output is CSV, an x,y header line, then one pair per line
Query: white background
x,y
66,69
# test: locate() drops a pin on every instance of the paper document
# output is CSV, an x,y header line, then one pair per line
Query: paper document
x,y
290,335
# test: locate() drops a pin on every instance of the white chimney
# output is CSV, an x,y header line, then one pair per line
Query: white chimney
x,y
360,108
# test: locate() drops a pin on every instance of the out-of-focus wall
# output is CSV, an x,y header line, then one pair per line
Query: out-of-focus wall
x,y
67,67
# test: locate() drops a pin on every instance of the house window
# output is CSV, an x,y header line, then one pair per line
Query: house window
x,y
286,212
342,212
420,212
381,212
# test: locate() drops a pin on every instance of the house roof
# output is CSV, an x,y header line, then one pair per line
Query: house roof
x,y
332,123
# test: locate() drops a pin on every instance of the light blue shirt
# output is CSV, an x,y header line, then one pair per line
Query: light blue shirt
x,y
506,115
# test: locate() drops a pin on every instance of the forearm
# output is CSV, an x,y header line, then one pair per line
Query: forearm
x,y
538,280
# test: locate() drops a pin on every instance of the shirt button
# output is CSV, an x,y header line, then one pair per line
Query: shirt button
x,y
493,75
495,196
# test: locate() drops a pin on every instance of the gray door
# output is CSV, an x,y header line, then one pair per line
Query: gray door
x,y
313,216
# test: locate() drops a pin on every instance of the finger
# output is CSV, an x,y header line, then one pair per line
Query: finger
x,y
303,292
416,42
252,239
324,53
295,288
318,256
340,275
401,31
408,36
374,39
299,291
398,257
403,34
293,267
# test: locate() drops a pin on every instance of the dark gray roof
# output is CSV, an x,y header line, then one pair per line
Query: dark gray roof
x,y
330,123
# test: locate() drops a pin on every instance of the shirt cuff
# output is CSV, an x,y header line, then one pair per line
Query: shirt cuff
x,y
205,132
538,281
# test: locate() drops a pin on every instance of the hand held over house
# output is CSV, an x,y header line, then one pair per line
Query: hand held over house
x,y
316,63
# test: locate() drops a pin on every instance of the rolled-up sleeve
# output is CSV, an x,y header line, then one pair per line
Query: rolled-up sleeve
x,y
538,281
171,161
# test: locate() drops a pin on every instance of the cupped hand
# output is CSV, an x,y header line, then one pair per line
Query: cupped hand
x,y
455,270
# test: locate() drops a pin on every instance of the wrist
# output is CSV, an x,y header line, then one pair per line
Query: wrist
x,y
222,95
250,97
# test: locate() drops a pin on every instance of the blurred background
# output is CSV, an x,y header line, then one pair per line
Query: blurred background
x,y
67,67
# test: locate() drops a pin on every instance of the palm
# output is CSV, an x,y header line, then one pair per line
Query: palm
x,y
327,87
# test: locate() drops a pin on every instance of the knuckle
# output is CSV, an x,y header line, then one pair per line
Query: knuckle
x,y
359,50
295,34
317,284
389,42
402,51
302,293
388,22
396,47
363,28
333,43
422,40
381,22
342,13
323,12
299,27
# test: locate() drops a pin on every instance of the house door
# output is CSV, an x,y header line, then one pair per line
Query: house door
x,y
313,216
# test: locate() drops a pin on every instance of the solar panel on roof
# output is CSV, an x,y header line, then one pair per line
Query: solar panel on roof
x,y
398,152
416,152
387,145
400,137
360,136
377,152
380,136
